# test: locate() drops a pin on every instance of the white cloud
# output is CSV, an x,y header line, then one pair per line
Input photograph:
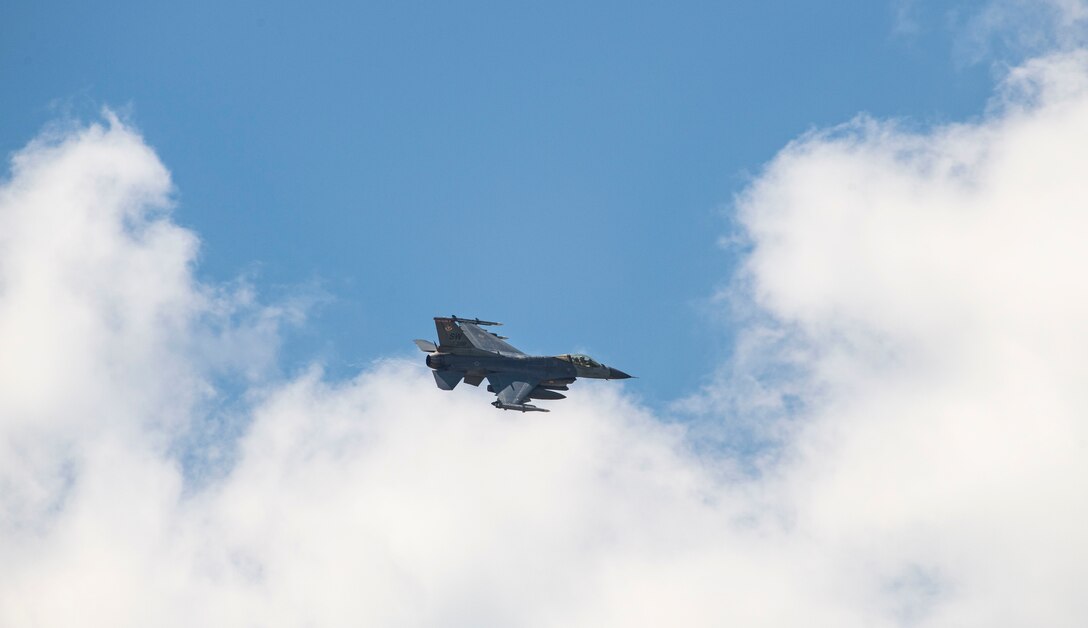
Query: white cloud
x,y
933,285
105,358
919,295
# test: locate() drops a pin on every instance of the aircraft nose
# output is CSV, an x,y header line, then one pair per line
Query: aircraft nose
x,y
617,374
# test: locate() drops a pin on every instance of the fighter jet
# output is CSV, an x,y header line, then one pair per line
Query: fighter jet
x,y
467,352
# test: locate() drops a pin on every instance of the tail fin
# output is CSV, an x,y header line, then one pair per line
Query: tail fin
x,y
450,335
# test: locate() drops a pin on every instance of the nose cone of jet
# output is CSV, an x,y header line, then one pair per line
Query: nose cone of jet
x,y
617,374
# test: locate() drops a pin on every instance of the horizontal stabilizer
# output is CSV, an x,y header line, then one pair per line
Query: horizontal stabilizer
x,y
425,346
447,380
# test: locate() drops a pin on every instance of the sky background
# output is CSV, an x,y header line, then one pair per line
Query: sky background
x,y
568,169
841,245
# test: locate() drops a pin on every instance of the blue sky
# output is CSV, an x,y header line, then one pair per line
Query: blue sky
x,y
568,169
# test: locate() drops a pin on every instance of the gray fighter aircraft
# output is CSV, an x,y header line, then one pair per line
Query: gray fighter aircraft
x,y
467,352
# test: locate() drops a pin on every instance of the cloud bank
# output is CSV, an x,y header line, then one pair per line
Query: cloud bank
x,y
921,290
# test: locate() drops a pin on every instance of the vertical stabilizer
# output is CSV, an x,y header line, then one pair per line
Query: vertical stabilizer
x,y
450,335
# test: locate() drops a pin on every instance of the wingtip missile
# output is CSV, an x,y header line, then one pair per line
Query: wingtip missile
x,y
474,321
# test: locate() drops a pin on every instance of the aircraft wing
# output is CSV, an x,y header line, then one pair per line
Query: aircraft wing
x,y
512,389
487,341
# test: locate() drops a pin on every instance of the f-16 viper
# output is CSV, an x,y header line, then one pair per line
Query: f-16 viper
x,y
467,352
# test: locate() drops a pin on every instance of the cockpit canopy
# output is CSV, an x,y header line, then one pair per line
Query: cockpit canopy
x,y
578,359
